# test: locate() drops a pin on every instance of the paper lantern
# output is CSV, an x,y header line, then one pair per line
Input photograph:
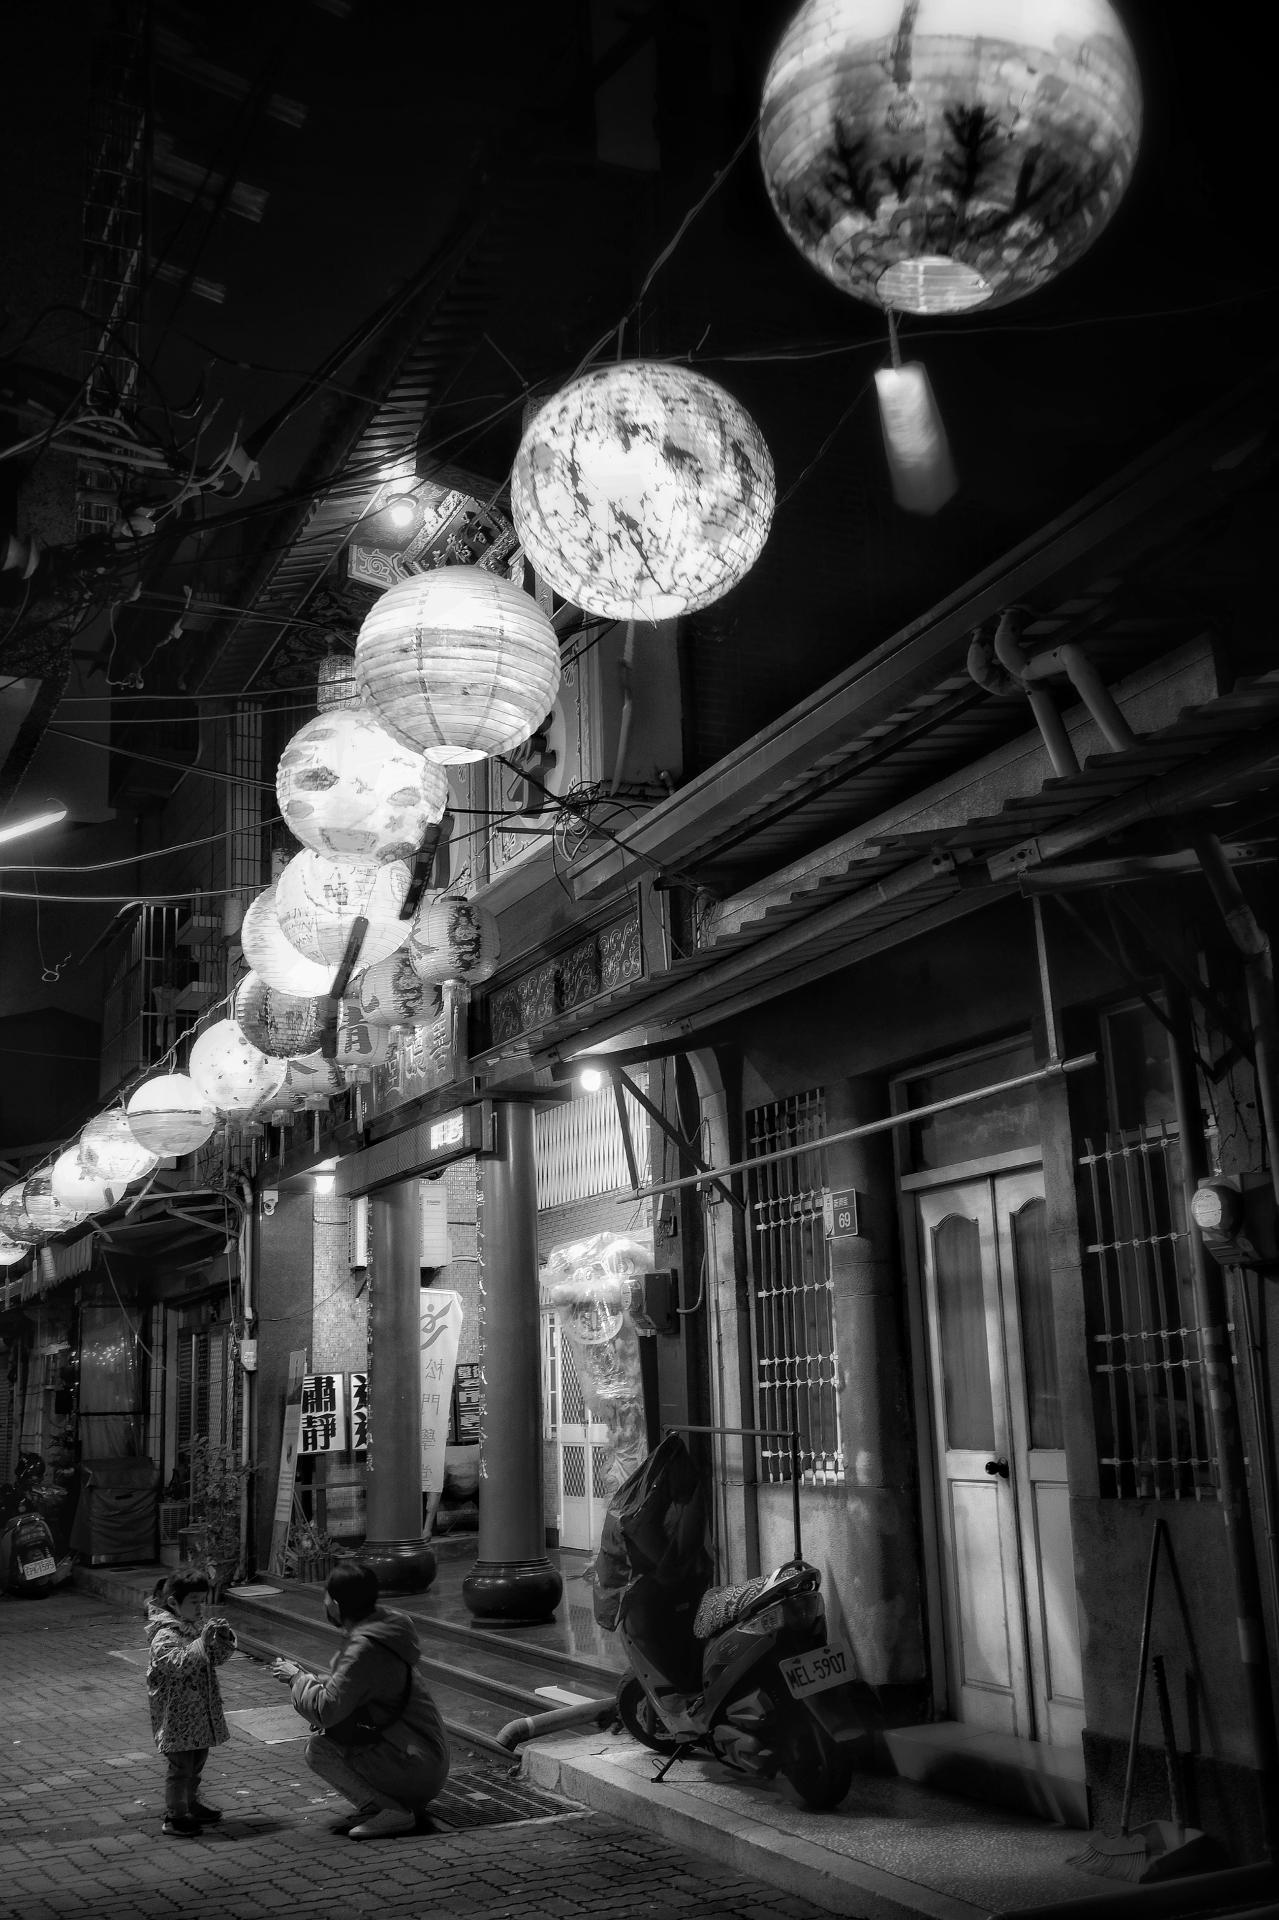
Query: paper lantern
x,y
281,1024
273,957
170,1115
15,1222
950,154
11,1252
642,491
317,901
314,1080
233,1075
361,1046
45,1211
393,994
81,1192
919,462
458,664
111,1151
452,939
348,788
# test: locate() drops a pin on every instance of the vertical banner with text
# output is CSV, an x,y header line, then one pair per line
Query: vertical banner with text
x,y
440,1328
290,1445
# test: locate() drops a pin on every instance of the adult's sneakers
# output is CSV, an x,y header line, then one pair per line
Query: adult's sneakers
x,y
181,1824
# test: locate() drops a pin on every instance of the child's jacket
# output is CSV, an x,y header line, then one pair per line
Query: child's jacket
x,y
186,1700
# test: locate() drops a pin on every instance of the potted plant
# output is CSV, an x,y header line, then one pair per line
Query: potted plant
x,y
217,1480
309,1552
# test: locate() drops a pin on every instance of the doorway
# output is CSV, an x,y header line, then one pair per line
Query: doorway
x,y
577,1444
1004,1552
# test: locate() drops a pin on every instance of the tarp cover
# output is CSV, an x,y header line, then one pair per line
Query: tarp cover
x,y
655,1526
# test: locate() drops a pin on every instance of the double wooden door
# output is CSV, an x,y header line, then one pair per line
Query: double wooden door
x,y
1007,1567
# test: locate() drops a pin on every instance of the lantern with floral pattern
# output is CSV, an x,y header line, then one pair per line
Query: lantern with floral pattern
x,y
318,900
82,1192
234,1076
349,789
111,1151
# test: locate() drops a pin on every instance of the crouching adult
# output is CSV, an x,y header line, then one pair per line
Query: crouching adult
x,y
377,1734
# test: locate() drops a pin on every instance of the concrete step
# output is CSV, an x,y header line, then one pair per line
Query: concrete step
x,y
1047,1782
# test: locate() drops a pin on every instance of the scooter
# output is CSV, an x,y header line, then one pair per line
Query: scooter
x,y
29,1559
748,1674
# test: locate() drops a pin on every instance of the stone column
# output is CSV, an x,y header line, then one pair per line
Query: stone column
x,y
395,1548
883,1606
512,1581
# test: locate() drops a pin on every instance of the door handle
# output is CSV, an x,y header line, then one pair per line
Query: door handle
x,y
998,1466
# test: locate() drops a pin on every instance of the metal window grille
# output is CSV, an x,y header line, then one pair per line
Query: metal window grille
x,y
794,1319
1154,1436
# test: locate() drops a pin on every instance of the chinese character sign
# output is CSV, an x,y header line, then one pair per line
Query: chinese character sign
x,y
359,1412
323,1413
440,1328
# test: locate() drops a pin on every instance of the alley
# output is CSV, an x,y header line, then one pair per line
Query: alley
x,y
80,1813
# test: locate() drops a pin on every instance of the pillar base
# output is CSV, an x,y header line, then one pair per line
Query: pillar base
x,y
512,1593
401,1566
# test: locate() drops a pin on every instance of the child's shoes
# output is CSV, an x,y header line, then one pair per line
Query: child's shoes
x,y
182,1824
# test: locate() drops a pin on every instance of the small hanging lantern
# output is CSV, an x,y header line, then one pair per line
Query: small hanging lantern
x,y
318,900
335,684
393,994
349,789
11,1252
274,958
234,1076
314,1080
453,939
641,491
915,443
170,1116
14,1218
281,1024
458,664
948,154
360,1047
80,1192
111,1151
44,1210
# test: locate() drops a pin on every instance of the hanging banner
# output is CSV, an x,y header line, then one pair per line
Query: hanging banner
x,y
359,1412
290,1446
440,1329
323,1413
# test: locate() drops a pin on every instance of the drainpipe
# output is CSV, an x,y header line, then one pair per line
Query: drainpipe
x,y
1018,673
248,1399
1253,947
536,1724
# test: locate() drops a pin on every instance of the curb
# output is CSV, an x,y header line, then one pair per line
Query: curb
x,y
582,1770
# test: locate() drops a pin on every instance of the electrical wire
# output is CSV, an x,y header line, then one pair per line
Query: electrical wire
x,y
154,853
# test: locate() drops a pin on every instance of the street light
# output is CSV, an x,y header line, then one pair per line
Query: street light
x,y
49,818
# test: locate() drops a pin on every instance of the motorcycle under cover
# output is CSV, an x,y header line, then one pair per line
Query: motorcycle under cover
x,y
117,1518
655,1525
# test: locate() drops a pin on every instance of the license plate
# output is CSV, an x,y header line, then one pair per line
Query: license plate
x,y
806,1673
37,1569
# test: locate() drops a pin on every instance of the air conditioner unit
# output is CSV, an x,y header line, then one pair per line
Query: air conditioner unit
x,y
357,1231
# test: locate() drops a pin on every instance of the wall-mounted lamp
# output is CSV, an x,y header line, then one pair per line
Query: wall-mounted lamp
x,y
590,1079
323,1173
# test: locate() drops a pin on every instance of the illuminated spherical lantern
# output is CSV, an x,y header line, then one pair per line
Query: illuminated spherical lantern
x,y
452,939
111,1151
348,788
233,1075
11,1252
45,1211
318,900
15,1221
281,1024
170,1115
458,663
274,958
951,154
393,994
642,491
80,1192
314,1080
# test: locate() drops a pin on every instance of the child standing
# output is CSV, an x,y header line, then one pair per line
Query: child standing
x,y
186,1700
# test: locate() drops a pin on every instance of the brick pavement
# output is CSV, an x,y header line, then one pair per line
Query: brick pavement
x,y
81,1793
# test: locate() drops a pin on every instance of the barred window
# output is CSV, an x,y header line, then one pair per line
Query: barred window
x,y
793,1306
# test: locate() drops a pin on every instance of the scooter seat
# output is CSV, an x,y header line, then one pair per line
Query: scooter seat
x,y
721,1607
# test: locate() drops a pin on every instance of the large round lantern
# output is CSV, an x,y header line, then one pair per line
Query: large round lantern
x,y
14,1218
45,1211
170,1115
452,939
393,994
111,1151
642,491
234,1076
348,788
274,958
11,1251
314,1080
281,1024
318,901
79,1191
360,1047
458,663
953,153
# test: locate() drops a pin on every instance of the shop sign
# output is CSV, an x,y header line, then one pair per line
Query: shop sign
x,y
440,1329
359,1412
323,1413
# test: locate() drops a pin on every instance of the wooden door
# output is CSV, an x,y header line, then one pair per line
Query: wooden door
x,y
1003,1520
